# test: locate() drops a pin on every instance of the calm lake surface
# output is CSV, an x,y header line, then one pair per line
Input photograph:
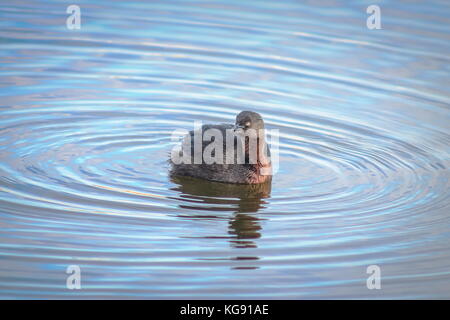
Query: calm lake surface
x,y
86,118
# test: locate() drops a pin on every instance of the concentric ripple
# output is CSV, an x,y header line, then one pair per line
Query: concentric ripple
x,y
86,124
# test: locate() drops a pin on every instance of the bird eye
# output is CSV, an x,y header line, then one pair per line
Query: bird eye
x,y
247,124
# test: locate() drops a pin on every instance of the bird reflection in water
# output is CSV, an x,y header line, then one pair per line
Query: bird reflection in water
x,y
244,200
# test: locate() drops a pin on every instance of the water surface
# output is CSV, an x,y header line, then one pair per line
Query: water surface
x,y
86,118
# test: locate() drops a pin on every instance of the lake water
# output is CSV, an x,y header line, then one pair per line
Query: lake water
x,y
86,118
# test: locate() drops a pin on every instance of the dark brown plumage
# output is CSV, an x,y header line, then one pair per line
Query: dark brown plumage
x,y
248,133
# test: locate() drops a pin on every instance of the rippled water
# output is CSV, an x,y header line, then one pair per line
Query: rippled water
x,y
86,120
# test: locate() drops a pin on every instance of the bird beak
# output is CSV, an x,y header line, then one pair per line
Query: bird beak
x,y
237,127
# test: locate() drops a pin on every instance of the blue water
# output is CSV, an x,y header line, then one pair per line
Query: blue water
x,y
86,118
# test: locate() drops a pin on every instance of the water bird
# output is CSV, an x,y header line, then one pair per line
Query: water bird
x,y
225,152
